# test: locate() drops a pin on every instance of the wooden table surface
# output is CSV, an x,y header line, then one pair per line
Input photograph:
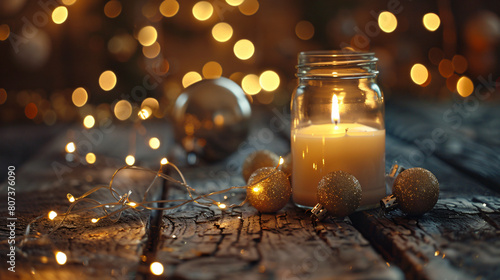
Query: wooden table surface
x,y
458,239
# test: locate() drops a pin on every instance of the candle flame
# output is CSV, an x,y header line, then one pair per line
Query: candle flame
x,y
335,110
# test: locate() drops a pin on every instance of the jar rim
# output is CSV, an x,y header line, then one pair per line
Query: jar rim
x,y
335,53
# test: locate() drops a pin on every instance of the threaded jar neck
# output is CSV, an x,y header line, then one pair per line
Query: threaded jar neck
x,y
337,65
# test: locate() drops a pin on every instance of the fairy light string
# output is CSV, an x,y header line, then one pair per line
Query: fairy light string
x,y
125,203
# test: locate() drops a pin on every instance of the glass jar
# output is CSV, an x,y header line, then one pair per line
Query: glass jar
x,y
337,124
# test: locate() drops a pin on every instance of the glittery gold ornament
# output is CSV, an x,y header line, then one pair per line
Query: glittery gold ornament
x,y
416,191
271,194
339,193
258,159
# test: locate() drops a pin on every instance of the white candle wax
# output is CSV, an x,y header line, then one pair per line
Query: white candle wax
x,y
353,148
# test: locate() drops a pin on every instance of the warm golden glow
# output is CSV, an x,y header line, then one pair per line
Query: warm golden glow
x,y
419,74
154,143
431,21
89,121
61,258
31,110
222,206
156,268
222,32
256,189
68,2
132,204
387,22
113,8
107,80
249,7
234,3
269,80
144,113
243,49
70,147
94,220
151,51
446,68
212,70
281,161
147,35
219,120
123,110
70,197
203,10
150,103
60,14
3,96
335,109
4,32
465,86
79,97
169,8
190,78
250,84
304,30
164,161
52,215
130,160
90,158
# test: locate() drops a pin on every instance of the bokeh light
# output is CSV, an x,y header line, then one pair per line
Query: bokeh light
x,y
52,215
60,14
212,70
90,158
151,51
70,147
123,110
387,22
147,35
130,160
89,121
145,113
154,143
31,110
269,80
465,86
304,30
3,96
150,104
249,7
250,84
169,8
244,49
431,21
203,10
190,78
113,8
222,32
419,74
459,63
68,2
107,80
79,97
4,32
446,68
61,258
156,268
235,3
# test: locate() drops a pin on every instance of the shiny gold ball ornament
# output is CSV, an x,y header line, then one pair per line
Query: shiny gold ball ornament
x,y
339,193
416,191
258,159
270,194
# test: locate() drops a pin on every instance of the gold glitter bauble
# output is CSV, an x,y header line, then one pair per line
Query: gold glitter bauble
x,y
416,191
340,193
258,159
271,194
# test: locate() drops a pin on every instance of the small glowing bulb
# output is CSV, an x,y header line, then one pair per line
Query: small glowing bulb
x,y
164,161
61,258
94,220
52,215
222,206
436,253
144,114
70,197
130,160
156,268
133,204
70,147
281,161
256,189
154,143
